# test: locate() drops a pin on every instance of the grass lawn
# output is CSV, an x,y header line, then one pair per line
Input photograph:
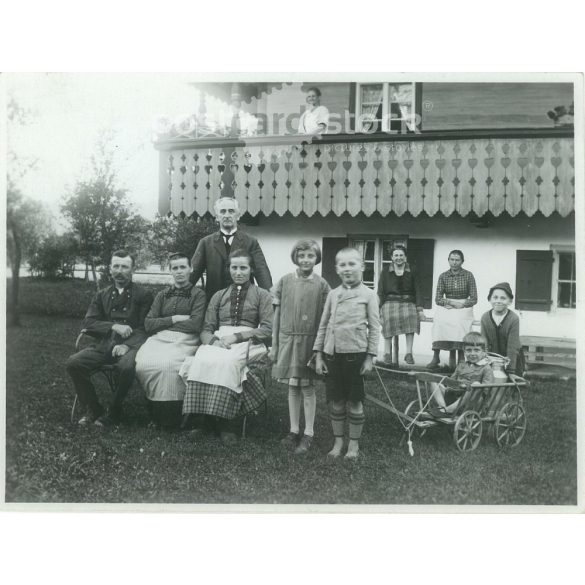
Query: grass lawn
x,y
49,460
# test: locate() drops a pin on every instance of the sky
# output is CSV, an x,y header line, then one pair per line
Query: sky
x,y
68,112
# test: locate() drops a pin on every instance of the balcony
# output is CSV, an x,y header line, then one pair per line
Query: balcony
x,y
453,172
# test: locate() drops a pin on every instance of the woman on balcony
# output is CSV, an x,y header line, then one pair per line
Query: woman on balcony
x,y
455,297
401,304
174,323
315,118
221,379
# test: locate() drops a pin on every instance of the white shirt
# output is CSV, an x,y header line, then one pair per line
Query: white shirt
x,y
310,120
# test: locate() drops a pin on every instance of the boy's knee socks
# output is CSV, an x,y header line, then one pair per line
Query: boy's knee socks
x,y
337,416
356,424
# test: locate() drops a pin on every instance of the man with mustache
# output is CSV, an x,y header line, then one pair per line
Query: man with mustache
x,y
115,317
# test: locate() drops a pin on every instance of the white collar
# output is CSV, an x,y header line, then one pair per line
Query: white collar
x,y
230,234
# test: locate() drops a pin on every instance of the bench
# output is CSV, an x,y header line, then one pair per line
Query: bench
x,y
549,351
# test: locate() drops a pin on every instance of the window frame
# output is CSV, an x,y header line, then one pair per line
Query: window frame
x,y
558,249
379,262
415,105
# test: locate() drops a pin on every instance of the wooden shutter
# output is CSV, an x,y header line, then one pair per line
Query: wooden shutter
x,y
534,279
421,254
330,247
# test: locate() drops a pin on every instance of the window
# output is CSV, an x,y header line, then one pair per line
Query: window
x,y
388,107
533,280
376,252
564,278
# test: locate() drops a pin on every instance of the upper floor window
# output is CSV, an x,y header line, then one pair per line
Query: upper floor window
x,y
388,107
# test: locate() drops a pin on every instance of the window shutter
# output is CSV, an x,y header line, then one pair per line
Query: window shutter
x,y
421,254
330,247
534,279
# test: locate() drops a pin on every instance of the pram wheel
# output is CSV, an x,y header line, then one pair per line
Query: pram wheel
x,y
510,425
467,431
412,410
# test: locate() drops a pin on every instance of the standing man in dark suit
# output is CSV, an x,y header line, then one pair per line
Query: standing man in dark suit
x,y
115,317
213,250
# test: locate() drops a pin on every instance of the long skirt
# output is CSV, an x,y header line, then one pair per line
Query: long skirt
x,y
398,318
225,382
158,362
450,326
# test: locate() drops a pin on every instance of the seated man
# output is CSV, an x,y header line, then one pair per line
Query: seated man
x,y
116,317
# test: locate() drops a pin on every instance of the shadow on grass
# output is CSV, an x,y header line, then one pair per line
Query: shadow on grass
x,y
49,460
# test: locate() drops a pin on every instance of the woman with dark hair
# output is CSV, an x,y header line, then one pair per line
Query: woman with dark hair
x,y
455,297
220,379
315,119
401,304
174,323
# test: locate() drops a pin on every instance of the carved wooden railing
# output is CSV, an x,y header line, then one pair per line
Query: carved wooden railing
x,y
477,172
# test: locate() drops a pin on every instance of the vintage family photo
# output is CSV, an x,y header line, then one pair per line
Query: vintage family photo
x,y
265,290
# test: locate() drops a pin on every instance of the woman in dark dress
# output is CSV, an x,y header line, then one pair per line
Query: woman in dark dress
x,y
401,304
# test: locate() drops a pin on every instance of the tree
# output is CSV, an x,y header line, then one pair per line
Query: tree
x,y
27,223
100,213
168,234
55,257
26,219
103,219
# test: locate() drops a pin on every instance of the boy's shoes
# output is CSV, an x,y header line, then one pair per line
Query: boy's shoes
x,y
304,445
433,365
290,441
409,359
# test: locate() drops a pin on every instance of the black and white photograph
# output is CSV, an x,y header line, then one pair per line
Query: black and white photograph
x,y
283,292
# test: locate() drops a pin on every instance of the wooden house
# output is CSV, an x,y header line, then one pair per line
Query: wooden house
x,y
436,166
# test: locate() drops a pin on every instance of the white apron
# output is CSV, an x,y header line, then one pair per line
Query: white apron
x,y
220,366
452,324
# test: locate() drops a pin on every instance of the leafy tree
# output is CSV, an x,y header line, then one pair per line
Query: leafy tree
x,y
27,223
55,257
101,214
170,234
103,219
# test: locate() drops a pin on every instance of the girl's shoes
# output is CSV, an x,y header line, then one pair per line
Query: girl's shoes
x,y
409,359
304,445
290,441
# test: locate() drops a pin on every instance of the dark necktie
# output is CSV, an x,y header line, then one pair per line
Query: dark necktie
x,y
228,242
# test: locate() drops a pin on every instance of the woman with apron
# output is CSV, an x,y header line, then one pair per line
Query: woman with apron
x,y
456,294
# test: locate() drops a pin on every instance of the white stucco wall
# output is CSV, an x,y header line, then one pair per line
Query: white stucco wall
x,y
490,253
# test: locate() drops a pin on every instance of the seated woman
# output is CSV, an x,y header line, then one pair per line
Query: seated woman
x,y
501,328
174,321
215,376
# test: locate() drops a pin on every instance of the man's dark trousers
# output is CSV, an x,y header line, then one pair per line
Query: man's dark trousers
x,y
84,363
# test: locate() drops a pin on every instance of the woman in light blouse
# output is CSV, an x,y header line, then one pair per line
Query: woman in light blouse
x,y
315,119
